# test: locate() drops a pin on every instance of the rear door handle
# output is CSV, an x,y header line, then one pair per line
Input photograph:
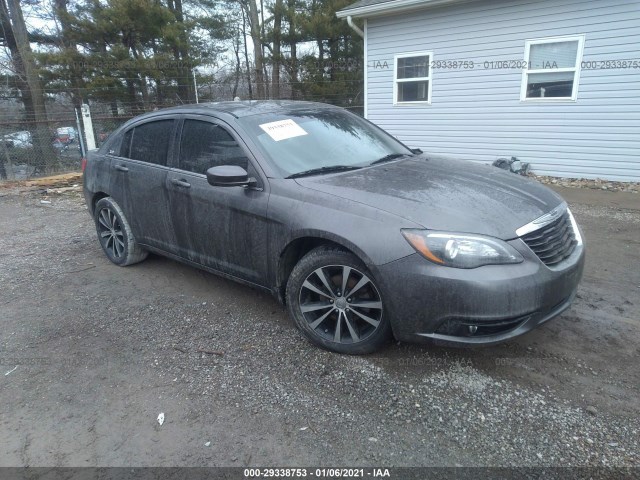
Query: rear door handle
x,y
181,183
121,168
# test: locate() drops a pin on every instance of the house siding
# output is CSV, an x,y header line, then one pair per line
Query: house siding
x,y
477,114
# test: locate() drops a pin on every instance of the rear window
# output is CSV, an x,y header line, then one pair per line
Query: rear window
x,y
148,142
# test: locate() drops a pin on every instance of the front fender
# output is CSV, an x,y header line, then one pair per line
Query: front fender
x,y
331,237
296,212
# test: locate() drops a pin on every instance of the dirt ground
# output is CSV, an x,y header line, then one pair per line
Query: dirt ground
x,y
91,354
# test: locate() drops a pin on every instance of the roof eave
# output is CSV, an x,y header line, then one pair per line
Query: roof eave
x,y
393,6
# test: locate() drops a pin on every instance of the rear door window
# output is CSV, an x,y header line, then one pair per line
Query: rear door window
x,y
204,145
150,142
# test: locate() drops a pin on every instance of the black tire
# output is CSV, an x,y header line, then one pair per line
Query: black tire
x,y
329,320
114,234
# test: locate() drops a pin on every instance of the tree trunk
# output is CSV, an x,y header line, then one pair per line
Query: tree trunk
x,y
333,52
277,38
134,103
5,155
266,80
320,43
293,44
186,91
265,65
246,53
236,51
254,24
6,172
67,45
17,39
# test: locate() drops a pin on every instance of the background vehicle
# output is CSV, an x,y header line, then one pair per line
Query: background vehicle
x,y
361,237
18,140
66,134
66,137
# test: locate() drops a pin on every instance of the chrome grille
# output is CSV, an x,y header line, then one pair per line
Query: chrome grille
x,y
554,242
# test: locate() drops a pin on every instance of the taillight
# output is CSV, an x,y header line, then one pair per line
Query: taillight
x,y
83,163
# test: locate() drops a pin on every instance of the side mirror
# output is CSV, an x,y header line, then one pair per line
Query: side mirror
x,y
416,151
229,176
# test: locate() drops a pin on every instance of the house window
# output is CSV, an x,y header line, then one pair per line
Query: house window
x,y
553,68
412,78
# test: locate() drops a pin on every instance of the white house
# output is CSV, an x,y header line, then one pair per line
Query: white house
x,y
555,83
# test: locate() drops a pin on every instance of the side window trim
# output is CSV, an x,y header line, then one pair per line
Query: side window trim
x,y
173,159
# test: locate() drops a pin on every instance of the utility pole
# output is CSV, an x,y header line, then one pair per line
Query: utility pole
x,y
88,127
195,85
83,150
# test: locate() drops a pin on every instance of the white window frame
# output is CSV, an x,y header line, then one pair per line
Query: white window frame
x,y
397,80
576,69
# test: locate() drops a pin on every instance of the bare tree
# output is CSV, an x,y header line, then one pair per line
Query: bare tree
x,y
256,37
293,43
67,45
246,52
16,38
236,52
186,90
277,39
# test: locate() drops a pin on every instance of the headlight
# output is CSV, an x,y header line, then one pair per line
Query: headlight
x,y
576,229
460,250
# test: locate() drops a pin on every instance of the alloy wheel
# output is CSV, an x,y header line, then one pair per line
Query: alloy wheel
x,y
111,234
341,304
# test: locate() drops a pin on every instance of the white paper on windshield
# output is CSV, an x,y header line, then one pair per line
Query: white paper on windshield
x,y
283,129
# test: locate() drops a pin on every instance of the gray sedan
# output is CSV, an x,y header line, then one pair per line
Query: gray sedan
x,y
361,237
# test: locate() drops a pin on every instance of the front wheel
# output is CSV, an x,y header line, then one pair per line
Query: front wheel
x,y
336,304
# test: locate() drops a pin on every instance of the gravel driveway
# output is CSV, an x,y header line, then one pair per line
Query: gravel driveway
x,y
91,353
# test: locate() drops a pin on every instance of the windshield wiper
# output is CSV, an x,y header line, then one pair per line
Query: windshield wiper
x,y
388,158
329,169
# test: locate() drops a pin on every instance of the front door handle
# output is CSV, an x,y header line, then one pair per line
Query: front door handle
x,y
121,168
181,183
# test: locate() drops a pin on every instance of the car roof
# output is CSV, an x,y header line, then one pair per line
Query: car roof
x,y
244,108
235,109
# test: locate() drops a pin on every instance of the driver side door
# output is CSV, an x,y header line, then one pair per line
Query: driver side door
x,y
223,228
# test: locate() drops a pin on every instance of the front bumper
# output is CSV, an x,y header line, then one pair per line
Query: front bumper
x,y
481,306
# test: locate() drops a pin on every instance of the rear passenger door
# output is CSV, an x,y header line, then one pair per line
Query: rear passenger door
x,y
138,180
220,227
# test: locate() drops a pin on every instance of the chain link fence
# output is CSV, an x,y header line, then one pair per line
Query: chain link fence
x,y
31,148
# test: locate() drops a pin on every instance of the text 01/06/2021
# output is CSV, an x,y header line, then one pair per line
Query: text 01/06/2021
x,y
316,472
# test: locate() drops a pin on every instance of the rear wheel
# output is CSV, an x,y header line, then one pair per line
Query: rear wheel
x,y
115,235
336,304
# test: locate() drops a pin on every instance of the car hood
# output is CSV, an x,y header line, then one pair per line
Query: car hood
x,y
441,193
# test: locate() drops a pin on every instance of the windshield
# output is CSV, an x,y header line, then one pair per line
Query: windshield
x,y
307,140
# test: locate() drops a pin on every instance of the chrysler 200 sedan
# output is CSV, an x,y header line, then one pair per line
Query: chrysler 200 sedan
x,y
361,237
